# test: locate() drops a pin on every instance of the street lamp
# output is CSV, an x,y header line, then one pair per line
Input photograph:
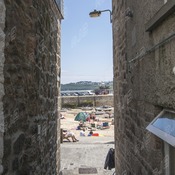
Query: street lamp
x,y
96,13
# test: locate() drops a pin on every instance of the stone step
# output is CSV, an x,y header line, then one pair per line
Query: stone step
x,y
87,171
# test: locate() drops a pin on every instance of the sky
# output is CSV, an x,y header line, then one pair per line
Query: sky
x,y
86,43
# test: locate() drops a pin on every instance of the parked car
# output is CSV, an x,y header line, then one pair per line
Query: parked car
x,y
104,108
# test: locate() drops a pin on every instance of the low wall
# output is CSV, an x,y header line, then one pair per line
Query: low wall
x,y
96,100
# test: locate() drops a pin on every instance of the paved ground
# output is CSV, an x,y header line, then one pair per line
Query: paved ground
x,y
78,155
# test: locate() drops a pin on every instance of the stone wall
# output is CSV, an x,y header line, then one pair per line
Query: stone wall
x,y
2,44
31,84
96,100
143,85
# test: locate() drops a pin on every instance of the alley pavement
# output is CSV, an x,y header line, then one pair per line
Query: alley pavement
x,y
86,156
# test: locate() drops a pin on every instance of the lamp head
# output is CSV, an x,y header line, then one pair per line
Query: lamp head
x,y
95,13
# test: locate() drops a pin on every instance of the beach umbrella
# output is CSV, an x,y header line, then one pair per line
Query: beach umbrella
x,y
81,116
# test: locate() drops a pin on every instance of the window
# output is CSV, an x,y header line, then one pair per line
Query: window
x,y
163,126
169,159
60,5
167,9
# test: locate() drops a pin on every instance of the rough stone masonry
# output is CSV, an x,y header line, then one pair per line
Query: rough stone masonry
x,y
144,83
2,44
29,87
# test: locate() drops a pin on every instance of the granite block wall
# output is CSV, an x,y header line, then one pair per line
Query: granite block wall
x,y
143,85
2,44
30,79
97,100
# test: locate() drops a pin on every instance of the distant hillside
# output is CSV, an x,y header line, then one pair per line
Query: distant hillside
x,y
85,85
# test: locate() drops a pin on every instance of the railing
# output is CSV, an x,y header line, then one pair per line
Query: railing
x,y
60,5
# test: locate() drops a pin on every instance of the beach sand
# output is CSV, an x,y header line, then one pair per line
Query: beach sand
x,y
68,123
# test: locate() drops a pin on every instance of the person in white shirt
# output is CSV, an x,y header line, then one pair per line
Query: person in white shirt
x,y
69,134
82,132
